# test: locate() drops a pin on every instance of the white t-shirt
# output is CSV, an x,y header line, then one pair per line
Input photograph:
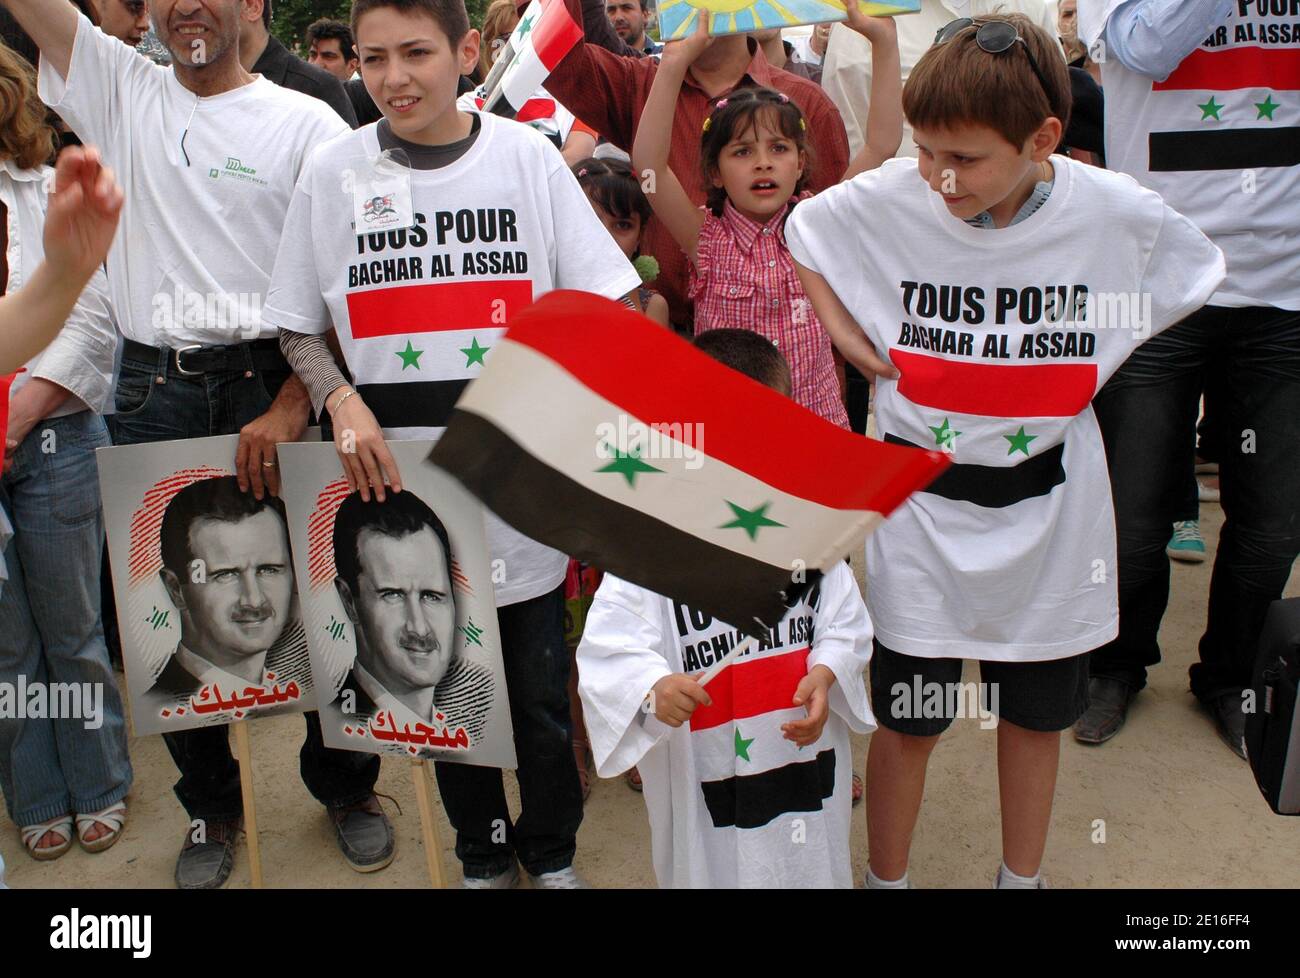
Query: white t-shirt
x,y
1011,554
197,239
725,790
1204,139
418,311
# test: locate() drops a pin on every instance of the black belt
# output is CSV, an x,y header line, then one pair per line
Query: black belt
x,y
196,359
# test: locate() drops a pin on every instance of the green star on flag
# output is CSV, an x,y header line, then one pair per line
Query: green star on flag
x,y
1210,109
742,745
944,436
1266,108
410,356
474,352
525,26
749,520
629,466
1019,441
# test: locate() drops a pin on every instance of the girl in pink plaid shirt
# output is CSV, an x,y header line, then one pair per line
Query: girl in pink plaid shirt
x,y
753,159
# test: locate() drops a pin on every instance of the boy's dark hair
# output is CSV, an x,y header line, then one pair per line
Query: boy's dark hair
x,y
400,515
266,14
449,15
328,29
958,83
753,355
612,184
208,499
744,109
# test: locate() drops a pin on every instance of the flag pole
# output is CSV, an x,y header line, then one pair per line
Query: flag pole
x,y
428,823
245,753
717,667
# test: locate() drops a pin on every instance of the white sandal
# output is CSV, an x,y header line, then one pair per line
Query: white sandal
x,y
32,835
112,818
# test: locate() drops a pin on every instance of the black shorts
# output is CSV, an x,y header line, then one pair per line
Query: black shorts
x,y
919,696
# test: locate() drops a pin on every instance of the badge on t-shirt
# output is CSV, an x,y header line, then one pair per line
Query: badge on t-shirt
x,y
381,193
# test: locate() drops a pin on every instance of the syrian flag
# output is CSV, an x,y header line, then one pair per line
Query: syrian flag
x,y
544,35
605,436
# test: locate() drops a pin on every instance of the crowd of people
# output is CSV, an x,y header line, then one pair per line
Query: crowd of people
x,y
922,224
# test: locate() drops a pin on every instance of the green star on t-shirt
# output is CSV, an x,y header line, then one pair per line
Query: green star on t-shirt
x,y
742,745
629,466
1210,109
749,520
410,356
1019,441
944,436
474,352
1266,108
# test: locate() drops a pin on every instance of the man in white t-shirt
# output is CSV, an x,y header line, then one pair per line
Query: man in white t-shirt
x,y
1203,106
208,155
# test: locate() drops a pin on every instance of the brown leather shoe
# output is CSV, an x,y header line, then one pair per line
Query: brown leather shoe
x,y
364,834
1108,702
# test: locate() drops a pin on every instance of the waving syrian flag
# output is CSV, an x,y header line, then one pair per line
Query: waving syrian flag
x,y
543,36
605,436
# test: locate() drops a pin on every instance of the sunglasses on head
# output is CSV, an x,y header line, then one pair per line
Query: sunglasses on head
x,y
993,37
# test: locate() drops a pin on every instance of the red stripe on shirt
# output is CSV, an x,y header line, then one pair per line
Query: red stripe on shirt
x,y
1233,68
749,689
436,308
1046,390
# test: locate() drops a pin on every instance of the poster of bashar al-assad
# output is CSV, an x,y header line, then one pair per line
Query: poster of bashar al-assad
x,y
204,580
398,605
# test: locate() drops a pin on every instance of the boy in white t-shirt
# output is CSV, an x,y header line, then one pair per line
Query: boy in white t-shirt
x,y
496,220
1021,282
748,780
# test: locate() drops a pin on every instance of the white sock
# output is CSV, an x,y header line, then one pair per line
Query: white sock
x,y
1008,880
874,882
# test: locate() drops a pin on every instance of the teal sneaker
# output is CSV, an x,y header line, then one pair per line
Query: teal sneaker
x,y
1187,544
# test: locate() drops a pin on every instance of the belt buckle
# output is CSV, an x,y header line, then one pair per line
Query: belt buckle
x,y
180,368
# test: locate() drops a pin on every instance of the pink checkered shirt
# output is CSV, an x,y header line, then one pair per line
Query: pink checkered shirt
x,y
744,278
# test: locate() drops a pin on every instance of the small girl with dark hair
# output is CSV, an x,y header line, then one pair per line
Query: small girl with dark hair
x,y
617,198
754,158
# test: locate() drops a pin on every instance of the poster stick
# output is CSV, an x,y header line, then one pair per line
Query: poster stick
x,y
725,661
428,823
245,754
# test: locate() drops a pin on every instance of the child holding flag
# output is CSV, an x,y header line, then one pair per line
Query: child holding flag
x,y
419,268
995,331
747,780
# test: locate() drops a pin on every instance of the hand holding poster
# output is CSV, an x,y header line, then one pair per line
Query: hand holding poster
x,y
204,582
677,17
398,605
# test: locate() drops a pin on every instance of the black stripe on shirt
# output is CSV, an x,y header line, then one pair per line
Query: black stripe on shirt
x,y
996,486
1224,149
417,404
749,801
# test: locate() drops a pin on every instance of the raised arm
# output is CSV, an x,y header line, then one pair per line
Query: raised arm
x,y
52,26
654,135
884,126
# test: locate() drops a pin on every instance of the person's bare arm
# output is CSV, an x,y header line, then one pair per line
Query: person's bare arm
x,y
844,330
52,26
884,126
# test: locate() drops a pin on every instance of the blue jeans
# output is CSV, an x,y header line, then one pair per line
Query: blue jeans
x,y
544,838
50,626
1250,359
156,404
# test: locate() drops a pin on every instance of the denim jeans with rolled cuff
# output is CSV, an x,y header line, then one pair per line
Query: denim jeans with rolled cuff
x,y
155,403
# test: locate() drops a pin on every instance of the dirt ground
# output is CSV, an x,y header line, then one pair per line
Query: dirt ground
x,y
1177,809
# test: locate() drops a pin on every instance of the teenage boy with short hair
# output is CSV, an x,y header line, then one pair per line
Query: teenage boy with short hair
x,y
995,329
496,220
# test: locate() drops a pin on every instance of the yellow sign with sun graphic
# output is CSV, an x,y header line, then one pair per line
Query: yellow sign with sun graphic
x,y
677,17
